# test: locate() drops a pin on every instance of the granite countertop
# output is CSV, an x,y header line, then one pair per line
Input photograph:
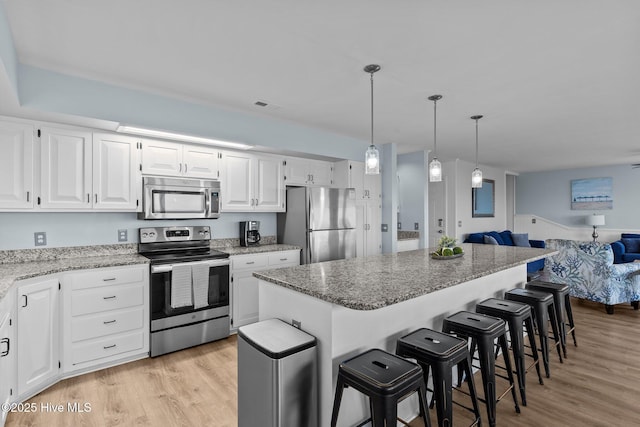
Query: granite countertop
x,y
256,249
12,272
377,281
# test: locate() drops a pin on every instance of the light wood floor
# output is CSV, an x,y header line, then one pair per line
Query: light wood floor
x,y
598,385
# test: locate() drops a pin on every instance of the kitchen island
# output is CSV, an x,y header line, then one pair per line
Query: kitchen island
x,y
353,305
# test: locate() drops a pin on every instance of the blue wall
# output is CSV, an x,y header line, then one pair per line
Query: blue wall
x,y
548,195
411,189
98,228
8,57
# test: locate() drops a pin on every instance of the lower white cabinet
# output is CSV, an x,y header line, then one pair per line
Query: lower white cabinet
x,y
244,287
7,352
368,228
38,334
106,317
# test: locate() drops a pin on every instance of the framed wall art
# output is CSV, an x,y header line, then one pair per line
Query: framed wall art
x,y
592,194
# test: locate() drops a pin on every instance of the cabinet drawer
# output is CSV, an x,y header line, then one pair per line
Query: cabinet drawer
x,y
284,258
106,347
105,298
111,276
107,323
250,262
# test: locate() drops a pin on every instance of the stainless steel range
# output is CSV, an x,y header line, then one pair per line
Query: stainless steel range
x,y
189,287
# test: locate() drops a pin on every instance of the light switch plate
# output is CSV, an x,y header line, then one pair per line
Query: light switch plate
x,y
40,238
122,236
399,226
385,227
416,226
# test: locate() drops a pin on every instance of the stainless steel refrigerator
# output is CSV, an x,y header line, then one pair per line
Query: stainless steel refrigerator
x,y
322,221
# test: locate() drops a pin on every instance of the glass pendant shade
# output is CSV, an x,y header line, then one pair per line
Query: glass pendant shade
x,y
476,178
372,161
435,170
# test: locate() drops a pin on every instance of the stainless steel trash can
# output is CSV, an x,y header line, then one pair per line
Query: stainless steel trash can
x,y
277,376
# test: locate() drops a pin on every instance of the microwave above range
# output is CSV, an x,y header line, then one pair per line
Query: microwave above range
x,y
179,198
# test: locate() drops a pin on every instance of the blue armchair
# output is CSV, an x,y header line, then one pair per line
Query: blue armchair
x,y
627,249
588,269
506,238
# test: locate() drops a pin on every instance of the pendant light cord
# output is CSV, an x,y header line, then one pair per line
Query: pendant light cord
x,y
435,145
476,143
371,108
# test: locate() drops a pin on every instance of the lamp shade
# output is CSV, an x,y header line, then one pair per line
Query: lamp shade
x,y
595,220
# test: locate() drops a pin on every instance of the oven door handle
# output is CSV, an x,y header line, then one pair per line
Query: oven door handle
x,y
164,268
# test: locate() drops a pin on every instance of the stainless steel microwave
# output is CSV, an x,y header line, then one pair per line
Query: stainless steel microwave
x,y
179,198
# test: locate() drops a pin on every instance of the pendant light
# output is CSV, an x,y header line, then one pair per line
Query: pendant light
x,y
372,156
435,167
476,175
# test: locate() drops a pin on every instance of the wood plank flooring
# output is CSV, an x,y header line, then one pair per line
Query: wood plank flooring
x,y
598,385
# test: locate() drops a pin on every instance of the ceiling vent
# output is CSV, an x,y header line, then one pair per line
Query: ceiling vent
x,y
266,105
261,103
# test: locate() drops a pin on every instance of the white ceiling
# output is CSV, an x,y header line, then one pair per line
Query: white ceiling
x,y
557,81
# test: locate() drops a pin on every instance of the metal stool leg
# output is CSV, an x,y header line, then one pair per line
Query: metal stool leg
x,y
567,307
555,329
528,323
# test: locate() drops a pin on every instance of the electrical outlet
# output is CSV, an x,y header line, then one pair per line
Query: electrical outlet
x,y
296,323
385,228
416,226
40,238
459,223
533,220
122,236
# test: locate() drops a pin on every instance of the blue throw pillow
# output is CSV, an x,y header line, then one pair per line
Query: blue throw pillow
x,y
506,237
475,238
631,245
489,240
521,239
496,236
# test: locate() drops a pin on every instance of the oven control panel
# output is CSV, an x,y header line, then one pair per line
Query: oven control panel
x,y
174,234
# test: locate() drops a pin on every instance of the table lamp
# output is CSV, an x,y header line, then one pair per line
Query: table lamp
x,y
595,220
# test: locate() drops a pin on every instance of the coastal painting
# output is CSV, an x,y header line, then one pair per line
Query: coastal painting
x,y
592,194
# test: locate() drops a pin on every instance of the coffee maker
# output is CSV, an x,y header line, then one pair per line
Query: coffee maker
x,y
249,233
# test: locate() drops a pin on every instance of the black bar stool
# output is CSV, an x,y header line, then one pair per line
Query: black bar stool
x,y
515,314
441,352
562,303
543,310
483,330
386,379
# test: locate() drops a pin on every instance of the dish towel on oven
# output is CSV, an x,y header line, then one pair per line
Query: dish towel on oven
x,y
181,286
200,275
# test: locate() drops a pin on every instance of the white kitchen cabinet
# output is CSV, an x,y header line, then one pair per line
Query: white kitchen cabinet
x,y
351,174
38,334
7,351
251,183
244,287
106,317
116,176
167,158
16,166
66,160
299,171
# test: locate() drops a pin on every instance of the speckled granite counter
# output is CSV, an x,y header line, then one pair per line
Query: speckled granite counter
x,y
256,249
378,281
24,264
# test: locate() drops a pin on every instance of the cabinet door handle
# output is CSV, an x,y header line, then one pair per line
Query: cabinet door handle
x,y
256,202
88,198
27,196
311,177
185,168
8,343
26,301
109,346
110,279
96,198
250,262
111,297
109,321
284,259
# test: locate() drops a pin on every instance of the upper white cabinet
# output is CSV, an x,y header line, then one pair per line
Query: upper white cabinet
x,y
16,166
251,182
299,171
82,171
66,179
177,159
38,335
350,174
116,178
